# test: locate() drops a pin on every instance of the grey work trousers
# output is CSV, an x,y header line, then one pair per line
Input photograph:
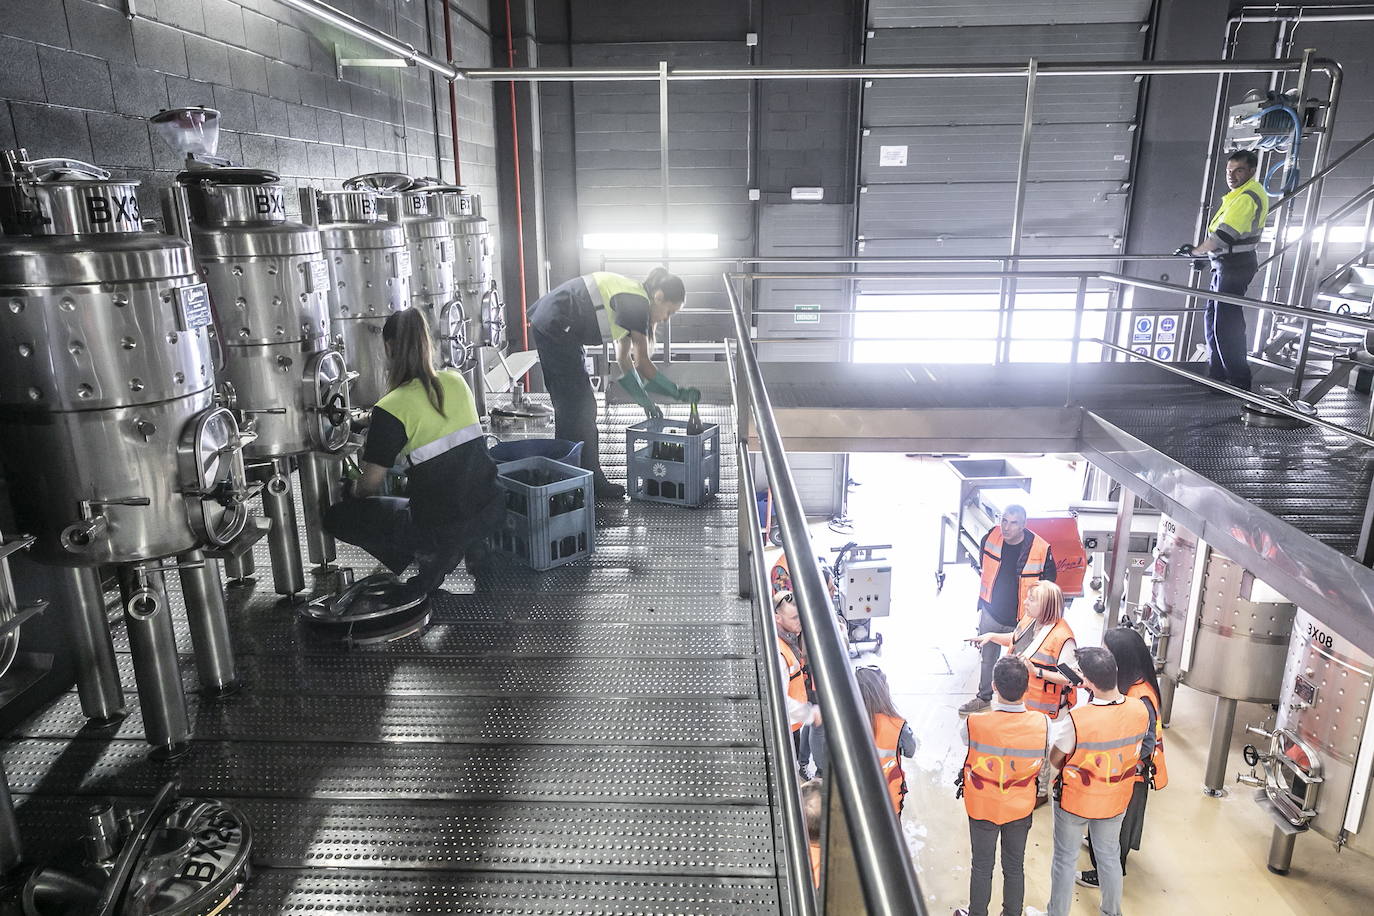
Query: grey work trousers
x,y
984,835
1105,834
991,652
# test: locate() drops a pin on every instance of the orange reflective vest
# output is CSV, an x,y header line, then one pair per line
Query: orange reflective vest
x,y
887,735
1042,695
796,676
1098,778
1006,751
1142,691
1030,573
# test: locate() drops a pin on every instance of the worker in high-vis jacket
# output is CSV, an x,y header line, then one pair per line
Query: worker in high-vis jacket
x,y
792,660
1012,559
1007,750
594,309
1111,741
428,420
1233,236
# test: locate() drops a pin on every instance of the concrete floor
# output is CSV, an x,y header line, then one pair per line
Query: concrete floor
x,y
1199,854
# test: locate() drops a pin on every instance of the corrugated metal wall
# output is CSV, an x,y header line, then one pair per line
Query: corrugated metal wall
x,y
961,137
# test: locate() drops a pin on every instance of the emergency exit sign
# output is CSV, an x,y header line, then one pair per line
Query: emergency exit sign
x,y
806,314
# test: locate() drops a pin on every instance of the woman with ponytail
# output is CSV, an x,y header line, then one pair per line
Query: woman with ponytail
x,y
595,309
430,420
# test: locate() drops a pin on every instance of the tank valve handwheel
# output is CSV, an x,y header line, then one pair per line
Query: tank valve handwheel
x,y
1251,755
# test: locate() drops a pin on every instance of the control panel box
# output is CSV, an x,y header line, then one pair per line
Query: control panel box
x,y
866,589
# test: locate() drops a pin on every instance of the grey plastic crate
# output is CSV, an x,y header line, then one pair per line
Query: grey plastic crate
x,y
665,465
550,512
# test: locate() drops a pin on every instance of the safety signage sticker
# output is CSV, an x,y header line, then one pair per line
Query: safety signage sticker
x,y
1141,351
806,314
1164,353
1143,331
892,156
1167,332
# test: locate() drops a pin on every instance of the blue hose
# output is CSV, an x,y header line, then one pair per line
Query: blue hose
x,y
1294,176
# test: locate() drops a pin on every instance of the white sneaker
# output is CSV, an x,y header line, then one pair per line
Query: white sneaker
x,y
1032,911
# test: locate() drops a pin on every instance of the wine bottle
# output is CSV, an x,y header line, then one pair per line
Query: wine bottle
x,y
694,425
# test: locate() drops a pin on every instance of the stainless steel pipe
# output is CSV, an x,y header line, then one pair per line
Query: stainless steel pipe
x,y
240,567
11,849
358,29
318,472
283,539
884,862
157,672
97,674
205,614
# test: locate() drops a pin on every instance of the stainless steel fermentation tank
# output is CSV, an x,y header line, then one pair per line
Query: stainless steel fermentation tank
x,y
475,294
269,282
1313,768
111,437
429,240
1217,628
369,269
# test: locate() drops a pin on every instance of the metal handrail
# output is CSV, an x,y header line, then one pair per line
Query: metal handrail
x,y
884,864
890,259
788,792
1345,209
1296,311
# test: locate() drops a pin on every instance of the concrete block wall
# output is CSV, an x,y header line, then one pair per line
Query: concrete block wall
x,y
78,78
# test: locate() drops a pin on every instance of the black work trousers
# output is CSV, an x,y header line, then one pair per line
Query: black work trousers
x,y
984,836
570,389
1227,346
382,525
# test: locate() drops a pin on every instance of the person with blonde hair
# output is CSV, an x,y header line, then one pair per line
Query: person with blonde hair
x,y
429,419
1044,642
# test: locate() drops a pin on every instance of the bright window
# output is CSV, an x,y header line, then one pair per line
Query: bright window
x,y
962,328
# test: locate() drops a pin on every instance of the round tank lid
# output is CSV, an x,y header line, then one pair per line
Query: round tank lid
x,y
228,176
380,181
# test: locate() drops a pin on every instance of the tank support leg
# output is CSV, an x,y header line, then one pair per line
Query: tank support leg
x,y
1167,688
209,623
156,667
1281,850
477,381
11,851
318,473
1218,752
283,540
97,675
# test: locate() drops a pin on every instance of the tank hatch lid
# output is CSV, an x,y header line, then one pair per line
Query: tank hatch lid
x,y
233,175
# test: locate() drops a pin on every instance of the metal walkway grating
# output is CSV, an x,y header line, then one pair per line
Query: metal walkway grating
x,y
583,741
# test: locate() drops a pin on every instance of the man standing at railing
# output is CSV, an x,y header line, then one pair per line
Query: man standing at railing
x,y
1232,237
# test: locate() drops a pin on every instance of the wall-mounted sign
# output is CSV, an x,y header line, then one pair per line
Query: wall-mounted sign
x,y
1143,329
892,156
1168,329
1164,353
806,314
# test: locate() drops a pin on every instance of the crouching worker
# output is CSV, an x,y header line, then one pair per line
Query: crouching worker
x,y
430,419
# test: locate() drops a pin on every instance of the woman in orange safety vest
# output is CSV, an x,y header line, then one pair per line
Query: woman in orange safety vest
x,y
1044,641
1135,668
891,734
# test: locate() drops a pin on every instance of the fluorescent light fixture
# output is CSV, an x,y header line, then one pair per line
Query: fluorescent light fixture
x,y
1337,235
650,241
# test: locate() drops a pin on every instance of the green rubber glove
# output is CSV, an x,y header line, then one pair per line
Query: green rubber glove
x,y
690,395
665,386
635,388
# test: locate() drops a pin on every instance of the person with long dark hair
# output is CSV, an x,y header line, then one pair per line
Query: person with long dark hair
x,y
594,309
891,734
1135,668
429,420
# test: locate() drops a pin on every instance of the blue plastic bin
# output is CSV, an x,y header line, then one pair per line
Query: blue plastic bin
x,y
556,449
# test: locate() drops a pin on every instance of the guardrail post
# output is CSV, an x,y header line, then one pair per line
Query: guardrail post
x,y
1079,304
